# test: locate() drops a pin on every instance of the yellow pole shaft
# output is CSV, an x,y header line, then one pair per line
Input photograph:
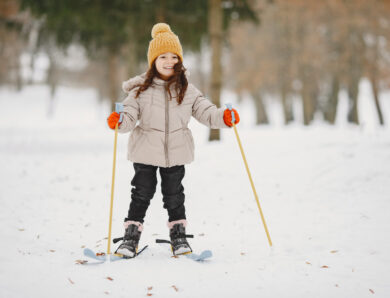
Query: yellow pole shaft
x,y
112,191
252,184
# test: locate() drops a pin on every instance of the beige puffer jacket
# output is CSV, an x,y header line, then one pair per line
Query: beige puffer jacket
x,y
160,134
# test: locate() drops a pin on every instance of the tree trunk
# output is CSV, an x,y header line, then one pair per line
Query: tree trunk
x,y
261,113
33,47
287,106
19,80
308,109
216,35
373,76
113,78
353,91
355,73
374,85
331,107
161,11
52,80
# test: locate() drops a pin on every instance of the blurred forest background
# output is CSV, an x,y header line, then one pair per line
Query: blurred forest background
x,y
283,50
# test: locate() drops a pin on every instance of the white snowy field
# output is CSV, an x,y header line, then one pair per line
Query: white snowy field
x,y
325,194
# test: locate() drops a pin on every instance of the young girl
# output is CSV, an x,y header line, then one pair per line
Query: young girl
x,y
157,110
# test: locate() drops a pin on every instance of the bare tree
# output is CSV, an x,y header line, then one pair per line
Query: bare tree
x,y
216,35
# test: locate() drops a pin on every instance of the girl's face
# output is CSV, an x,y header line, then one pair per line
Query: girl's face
x,y
165,63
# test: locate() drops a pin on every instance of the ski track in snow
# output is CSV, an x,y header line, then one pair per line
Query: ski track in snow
x,y
324,193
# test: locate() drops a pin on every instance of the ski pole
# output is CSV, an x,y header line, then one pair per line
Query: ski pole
x,y
118,109
229,106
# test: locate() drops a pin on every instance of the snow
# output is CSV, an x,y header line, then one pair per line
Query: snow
x,y
324,192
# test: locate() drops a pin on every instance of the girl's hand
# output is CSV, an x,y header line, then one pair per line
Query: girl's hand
x,y
113,119
227,117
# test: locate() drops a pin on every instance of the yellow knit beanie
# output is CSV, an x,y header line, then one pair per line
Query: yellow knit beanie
x,y
164,40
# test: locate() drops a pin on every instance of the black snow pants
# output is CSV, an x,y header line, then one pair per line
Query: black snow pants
x,y
144,187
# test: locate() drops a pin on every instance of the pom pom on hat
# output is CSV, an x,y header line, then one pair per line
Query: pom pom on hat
x,y
164,40
160,28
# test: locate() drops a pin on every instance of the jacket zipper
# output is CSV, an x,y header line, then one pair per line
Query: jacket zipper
x,y
166,128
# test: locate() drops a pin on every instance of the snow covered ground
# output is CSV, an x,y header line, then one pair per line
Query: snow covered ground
x,y
325,194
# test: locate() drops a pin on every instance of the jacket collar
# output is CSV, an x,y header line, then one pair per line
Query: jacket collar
x,y
159,81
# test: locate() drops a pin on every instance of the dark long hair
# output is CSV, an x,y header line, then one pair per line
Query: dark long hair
x,y
178,78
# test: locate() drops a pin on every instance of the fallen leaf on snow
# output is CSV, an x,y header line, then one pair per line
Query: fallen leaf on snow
x,y
308,263
21,230
52,250
201,234
109,278
100,254
81,262
242,253
336,285
372,291
150,288
107,293
333,251
175,288
71,281
149,294
324,266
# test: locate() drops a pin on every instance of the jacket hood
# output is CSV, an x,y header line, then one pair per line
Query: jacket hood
x,y
130,84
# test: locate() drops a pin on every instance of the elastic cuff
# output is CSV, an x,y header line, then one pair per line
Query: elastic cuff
x,y
172,223
131,222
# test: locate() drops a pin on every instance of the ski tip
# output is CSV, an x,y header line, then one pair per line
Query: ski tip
x,y
91,254
88,252
207,254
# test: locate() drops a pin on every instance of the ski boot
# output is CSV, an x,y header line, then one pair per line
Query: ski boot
x,y
129,246
179,242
